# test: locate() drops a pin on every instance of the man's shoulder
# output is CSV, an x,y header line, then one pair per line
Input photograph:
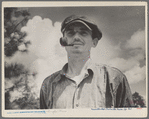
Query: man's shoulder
x,y
113,73
51,78
114,70
108,68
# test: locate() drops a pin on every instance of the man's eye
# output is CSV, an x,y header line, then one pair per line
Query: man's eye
x,y
70,32
83,32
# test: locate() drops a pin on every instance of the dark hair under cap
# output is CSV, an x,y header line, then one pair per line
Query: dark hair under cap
x,y
96,33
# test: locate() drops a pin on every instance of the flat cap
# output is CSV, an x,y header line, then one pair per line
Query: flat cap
x,y
84,20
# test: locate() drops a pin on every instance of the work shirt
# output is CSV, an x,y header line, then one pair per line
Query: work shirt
x,y
80,77
101,86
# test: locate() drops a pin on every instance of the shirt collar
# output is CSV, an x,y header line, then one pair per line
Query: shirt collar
x,y
64,69
88,65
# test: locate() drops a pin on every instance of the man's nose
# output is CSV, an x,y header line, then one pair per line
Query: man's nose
x,y
77,37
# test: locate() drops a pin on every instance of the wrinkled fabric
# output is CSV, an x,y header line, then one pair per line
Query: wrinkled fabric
x,y
104,86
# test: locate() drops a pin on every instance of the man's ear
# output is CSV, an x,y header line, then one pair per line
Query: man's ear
x,y
95,42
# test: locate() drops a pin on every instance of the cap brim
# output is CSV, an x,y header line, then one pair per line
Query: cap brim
x,y
77,21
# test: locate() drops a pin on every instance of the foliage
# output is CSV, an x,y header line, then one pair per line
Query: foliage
x,y
14,20
27,103
18,76
7,100
18,90
13,70
138,100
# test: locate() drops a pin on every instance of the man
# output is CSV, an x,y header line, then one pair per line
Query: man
x,y
82,83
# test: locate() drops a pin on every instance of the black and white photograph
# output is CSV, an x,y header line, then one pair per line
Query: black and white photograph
x,y
74,59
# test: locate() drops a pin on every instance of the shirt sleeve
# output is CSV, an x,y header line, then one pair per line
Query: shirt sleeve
x,y
124,95
42,100
118,92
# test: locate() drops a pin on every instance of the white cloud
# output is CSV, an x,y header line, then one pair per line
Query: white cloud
x,y
137,40
105,51
22,58
131,65
123,64
135,74
8,83
22,47
44,37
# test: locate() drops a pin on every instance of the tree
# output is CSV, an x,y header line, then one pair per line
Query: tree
x,y
14,20
138,100
16,75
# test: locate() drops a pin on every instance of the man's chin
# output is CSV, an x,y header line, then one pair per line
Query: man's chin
x,y
77,52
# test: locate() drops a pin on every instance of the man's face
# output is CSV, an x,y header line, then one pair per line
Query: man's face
x,y
79,35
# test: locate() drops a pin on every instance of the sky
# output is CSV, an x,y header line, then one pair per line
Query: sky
x,y
122,45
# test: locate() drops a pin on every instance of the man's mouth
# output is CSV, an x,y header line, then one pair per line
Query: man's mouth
x,y
78,43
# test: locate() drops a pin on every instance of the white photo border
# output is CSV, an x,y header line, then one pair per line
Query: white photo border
x,y
116,112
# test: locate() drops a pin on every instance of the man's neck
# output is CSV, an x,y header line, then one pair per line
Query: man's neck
x,y
75,65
